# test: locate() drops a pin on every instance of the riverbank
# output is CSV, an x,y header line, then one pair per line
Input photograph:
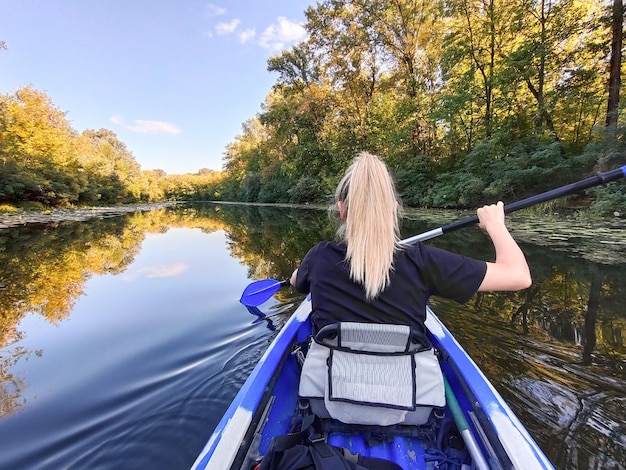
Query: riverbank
x,y
16,219
443,216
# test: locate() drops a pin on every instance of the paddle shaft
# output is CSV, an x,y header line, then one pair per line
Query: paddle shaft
x,y
599,178
463,426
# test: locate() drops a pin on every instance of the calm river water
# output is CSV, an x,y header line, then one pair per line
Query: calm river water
x,y
122,340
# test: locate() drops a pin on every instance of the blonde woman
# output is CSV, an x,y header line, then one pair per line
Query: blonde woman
x,y
369,277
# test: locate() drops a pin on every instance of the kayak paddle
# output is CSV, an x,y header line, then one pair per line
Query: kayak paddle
x,y
260,291
463,426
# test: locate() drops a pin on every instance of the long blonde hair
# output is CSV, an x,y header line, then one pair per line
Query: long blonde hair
x,y
370,226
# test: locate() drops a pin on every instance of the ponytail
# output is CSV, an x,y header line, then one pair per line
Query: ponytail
x,y
370,225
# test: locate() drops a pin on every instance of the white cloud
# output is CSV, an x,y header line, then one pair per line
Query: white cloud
x,y
146,127
214,10
117,119
152,272
164,271
154,127
227,28
246,35
281,34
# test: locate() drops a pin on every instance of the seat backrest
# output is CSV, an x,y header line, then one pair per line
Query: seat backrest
x,y
373,337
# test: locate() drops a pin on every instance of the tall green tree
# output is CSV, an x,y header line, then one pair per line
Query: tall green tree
x,y
554,54
349,61
368,47
478,35
410,34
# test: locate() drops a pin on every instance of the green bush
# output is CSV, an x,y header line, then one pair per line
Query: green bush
x,y
306,190
275,190
610,200
413,181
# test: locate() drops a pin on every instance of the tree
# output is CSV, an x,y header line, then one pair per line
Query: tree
x,y
467,100
36,150
36,132
109,165
556,56
480,36
410,33
296,67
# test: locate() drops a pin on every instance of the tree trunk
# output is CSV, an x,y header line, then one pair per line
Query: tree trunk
x,y
615,66
593,304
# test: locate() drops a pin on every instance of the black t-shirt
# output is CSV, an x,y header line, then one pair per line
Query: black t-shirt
x,y
419,272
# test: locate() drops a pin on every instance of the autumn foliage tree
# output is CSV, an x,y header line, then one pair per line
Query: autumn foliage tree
x,y
45,161
35,149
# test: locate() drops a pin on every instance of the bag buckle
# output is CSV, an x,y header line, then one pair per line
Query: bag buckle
x,y
297,351
315,438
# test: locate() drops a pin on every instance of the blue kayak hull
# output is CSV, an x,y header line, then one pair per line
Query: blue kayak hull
x,y
264,406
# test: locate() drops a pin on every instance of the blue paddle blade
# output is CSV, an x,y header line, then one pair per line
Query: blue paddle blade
x,y
259,291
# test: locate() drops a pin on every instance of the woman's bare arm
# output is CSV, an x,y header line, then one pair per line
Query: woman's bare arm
x,y
510,270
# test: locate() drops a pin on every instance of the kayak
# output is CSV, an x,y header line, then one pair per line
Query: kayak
x,y
492,435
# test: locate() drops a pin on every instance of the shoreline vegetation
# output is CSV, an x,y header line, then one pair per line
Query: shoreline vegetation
x,y
78,214
497,105
13,217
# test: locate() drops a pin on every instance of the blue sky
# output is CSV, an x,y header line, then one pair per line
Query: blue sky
x,y
174,79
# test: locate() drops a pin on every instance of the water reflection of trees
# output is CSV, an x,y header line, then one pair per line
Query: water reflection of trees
x,y
271,241
45,268
555,351
572,299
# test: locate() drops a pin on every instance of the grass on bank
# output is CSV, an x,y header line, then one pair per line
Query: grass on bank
x,y
25,206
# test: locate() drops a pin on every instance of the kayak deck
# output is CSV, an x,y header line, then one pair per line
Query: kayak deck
x,y
266,405
410,452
